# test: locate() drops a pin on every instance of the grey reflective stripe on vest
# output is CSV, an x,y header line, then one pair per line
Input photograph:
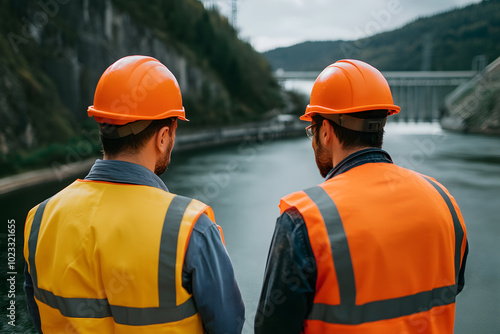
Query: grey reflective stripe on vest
x,y
459,232
167,311
338,242
74,307
33,240
168,250
348,312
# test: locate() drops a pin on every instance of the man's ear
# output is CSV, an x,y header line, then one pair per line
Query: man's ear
x,y
163,138
328,134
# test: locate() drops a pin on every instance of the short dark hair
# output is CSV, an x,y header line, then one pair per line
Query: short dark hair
x,y
134,142
350,139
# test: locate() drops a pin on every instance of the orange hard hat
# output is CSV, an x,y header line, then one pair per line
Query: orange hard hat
x,y
349,86
136,88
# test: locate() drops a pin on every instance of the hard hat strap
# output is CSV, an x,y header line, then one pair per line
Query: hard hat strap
x,y
119,131
357,124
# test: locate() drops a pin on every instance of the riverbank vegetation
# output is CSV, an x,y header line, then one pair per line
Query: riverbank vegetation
x,y
52,57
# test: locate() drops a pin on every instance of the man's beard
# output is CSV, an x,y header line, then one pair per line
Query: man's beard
x,y
323,160
163,162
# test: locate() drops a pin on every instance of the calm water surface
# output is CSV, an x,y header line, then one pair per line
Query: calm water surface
x,y
243,183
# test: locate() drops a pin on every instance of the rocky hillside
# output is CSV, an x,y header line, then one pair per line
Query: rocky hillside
x,y
53,52
475,106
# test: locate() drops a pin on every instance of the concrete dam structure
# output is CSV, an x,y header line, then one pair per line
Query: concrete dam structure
x,y
420,94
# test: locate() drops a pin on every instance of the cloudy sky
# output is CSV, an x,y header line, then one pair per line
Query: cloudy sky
x,y
268,24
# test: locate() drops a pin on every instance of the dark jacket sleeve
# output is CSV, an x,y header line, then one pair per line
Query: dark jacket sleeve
x,y
30,299
461,276
289,280
208,274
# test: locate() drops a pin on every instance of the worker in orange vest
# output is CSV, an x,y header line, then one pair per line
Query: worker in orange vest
x,y
376,248
116,252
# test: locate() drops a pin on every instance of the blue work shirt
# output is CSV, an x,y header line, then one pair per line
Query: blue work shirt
x,y
207,272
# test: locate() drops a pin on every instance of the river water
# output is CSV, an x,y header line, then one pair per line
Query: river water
x,y
244,182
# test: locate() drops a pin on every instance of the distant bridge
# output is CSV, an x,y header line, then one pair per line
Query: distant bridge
x,y
420,94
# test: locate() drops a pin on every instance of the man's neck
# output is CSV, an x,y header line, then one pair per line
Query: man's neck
x,y
344,153
133,158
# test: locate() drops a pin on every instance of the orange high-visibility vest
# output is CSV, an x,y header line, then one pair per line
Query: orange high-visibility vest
x,y
108,258
388,245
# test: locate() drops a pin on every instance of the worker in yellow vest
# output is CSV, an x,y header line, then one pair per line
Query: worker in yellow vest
x,y
376,248
116,252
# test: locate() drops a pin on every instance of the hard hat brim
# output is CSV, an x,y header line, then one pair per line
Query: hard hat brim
x,y
111,118
315,109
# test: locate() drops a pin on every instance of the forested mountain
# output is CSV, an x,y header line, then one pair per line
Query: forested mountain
x,y
52,54
447,41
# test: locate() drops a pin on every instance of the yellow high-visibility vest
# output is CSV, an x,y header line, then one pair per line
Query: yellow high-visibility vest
x,y
108,258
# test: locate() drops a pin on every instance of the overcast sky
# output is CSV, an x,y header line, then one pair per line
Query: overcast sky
x,y
268,24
